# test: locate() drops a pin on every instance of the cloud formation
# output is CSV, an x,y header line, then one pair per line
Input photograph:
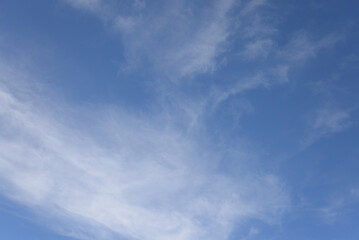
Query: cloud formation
x,y
144,176
121,174
326,122
160,36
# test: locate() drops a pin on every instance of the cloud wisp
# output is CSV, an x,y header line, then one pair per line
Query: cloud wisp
x,y
142,176
160,37
121,174
326,122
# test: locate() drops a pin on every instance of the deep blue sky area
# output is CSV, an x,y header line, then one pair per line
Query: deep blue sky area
x,y
180,120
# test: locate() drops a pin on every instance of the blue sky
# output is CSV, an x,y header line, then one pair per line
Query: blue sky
x,y
181,120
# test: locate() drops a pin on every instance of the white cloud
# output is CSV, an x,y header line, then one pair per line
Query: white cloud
x,y
125,24
327,121
258,48
338,206
252,5
139,176
301,47
120,173
331,121
162,36
276,75
332,211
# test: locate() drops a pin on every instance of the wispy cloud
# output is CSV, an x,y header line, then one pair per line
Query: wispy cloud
x,y
326,122
258,45
121,174
266,79
331,121
258,49
301,47
143,176
332,210
338,206
162,36
252,5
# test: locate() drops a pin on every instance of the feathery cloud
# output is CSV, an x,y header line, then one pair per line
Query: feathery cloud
x,y
121,174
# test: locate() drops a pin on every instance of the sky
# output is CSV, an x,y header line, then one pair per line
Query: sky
x,y
179,120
